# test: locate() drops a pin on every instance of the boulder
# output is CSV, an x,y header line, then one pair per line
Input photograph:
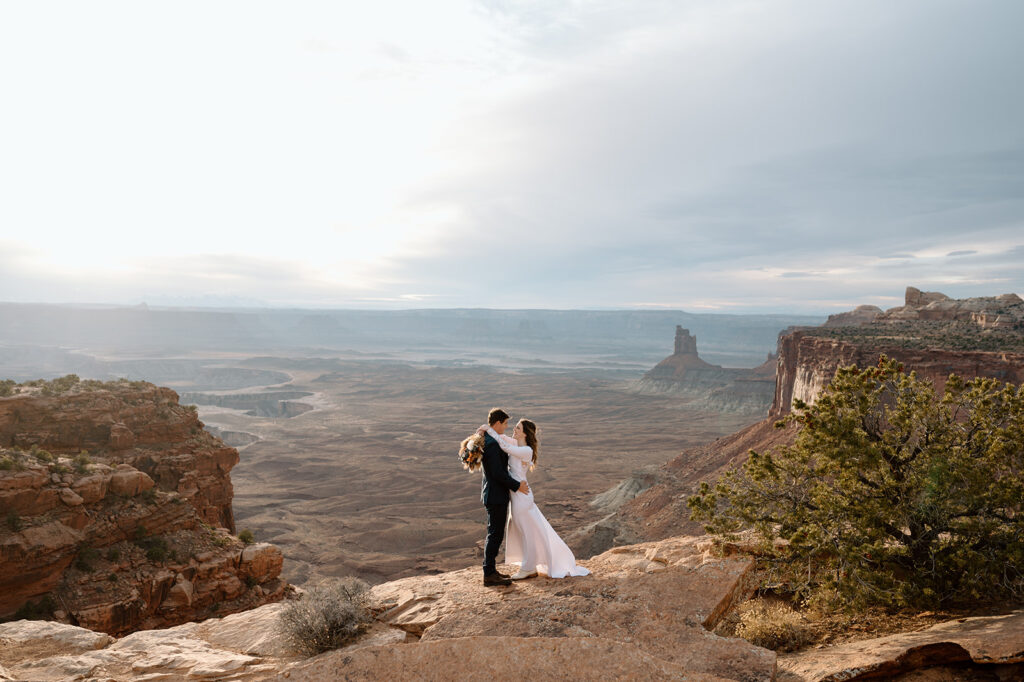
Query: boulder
x,y
129,481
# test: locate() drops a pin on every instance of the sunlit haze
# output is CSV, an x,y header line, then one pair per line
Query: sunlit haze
x,y
725,155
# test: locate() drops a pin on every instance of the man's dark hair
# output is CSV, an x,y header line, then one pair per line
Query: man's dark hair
x,y
496,415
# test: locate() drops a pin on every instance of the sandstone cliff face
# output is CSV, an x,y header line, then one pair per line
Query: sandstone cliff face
x,y
118,511
808,362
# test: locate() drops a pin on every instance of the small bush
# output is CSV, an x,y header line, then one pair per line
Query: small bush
x,y
42,455
251,582
156,548
327,617
14,521
157,552
773,626
247,537
148,496
82,463
39,610
113,554
86,555
112,577
7,387
6,463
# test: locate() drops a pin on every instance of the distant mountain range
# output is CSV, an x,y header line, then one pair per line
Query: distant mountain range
x,y
634,336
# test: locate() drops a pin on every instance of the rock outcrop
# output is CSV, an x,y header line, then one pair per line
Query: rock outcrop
x,y
862,314
707,386
118,511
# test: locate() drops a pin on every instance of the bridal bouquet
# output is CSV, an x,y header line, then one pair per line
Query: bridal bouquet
x,y
471,451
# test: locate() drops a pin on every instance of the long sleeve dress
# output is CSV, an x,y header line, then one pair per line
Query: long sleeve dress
x,y
530,541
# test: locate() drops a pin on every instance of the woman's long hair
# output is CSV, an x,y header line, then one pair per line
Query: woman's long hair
x,y
530,432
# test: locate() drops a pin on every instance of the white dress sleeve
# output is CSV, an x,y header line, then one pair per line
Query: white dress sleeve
x,y
511,448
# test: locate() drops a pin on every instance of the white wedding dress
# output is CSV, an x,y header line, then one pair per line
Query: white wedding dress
x,y
530,541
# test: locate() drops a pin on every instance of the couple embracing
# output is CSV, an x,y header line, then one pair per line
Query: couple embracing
x,y
530,542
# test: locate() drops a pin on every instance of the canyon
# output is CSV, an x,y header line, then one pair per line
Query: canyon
x,y
348,465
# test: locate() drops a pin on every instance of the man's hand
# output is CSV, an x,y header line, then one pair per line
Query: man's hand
x,y
524,487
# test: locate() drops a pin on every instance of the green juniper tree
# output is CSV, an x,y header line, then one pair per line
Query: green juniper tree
x,y
889,495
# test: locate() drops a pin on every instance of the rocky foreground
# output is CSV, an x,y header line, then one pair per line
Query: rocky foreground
x,y
645,613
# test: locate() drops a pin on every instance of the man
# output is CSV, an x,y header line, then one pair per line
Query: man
x,y
495,494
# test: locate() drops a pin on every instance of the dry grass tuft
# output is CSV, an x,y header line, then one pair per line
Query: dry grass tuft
x,y
773,625
327,617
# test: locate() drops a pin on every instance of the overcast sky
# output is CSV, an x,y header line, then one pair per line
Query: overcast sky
x,y
709,155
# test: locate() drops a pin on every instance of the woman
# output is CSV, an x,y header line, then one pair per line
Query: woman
x,y
530,541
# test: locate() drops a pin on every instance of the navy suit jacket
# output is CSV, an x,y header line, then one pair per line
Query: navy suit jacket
x,y
495,491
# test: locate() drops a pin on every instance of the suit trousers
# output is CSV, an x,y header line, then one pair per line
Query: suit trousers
x,y
497,516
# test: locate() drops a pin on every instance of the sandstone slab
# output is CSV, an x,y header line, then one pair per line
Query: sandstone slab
x,y
495,658
991,640
657,596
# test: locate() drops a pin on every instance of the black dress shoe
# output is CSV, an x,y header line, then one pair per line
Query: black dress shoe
x,y
497,580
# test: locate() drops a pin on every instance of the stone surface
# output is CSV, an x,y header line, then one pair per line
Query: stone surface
x,y
70,638
129,482
659,597
496,658
987,640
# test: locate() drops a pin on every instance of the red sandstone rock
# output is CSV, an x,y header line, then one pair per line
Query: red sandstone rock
x,y
129,482
137,438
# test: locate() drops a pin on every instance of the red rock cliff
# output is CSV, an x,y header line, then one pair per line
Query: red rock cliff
x,y
118,511
808,362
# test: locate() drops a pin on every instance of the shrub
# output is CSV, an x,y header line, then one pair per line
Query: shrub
x,y
112,577
773,625
42,455
148,495
39,610
247,537
156,548
86,555
113,554
327,617
889,496
14,521
82,462
7,387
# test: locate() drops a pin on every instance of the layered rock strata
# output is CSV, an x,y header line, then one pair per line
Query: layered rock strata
x,y
117,509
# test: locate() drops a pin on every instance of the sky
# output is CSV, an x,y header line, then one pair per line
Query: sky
x,y
705,155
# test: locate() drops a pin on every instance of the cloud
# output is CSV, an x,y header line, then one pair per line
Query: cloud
x,y
548,153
